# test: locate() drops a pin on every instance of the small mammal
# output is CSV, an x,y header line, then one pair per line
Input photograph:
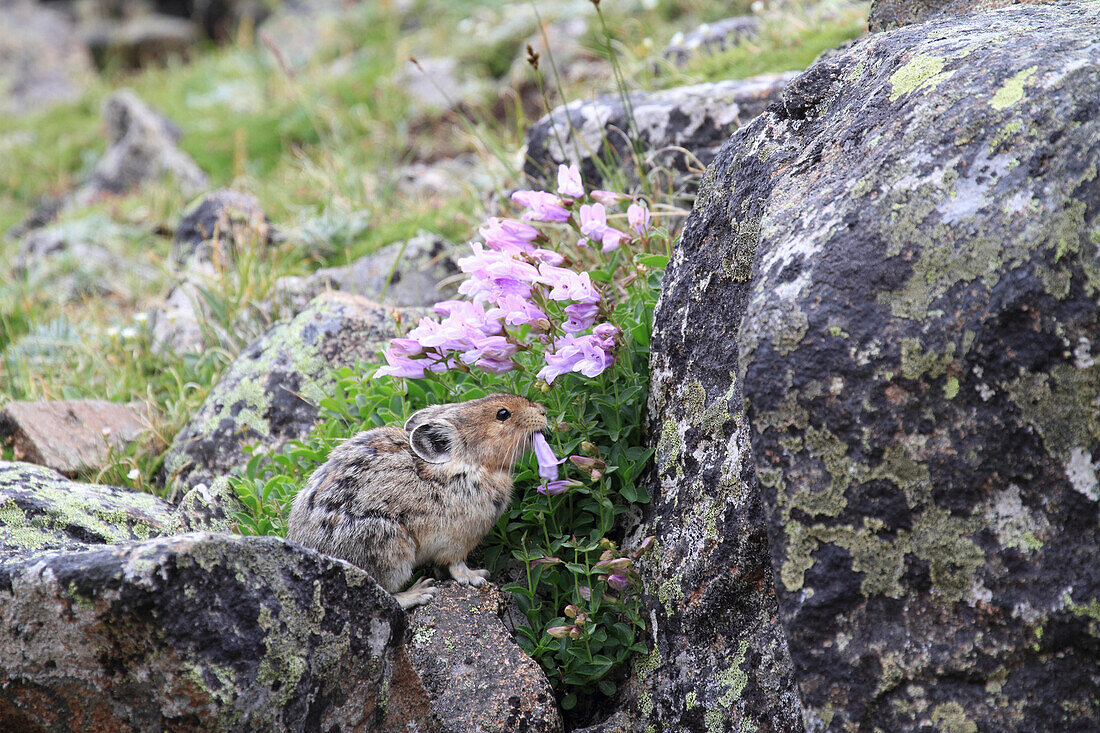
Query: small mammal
x,y
390,499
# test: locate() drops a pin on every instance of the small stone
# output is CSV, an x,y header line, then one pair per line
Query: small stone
x,y
42,61
711,38
70,436
218,226
475,675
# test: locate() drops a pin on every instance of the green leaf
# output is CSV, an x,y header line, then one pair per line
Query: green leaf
x,y
656,262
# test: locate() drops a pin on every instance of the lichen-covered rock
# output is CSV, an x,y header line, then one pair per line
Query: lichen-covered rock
x,y
70,436
41,511
197,632
475,675
418,272
711,38
269,395
42,61
217,226
889,14
918,220
210,508
696,118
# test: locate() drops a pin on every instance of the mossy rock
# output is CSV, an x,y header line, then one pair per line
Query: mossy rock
x,y
903,252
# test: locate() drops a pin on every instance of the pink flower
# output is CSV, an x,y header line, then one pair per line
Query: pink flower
x,y
593,220
507,235
568,285
608,198
638,217
569,181
544,454
581,316
542,206
584,354
606,333
519,311
400,366
405,347
495,348
611,239
554,488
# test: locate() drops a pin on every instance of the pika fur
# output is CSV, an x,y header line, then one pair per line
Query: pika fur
x,y
390,499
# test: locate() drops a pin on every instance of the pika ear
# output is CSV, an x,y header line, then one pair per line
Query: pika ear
x,y
422,416
434,440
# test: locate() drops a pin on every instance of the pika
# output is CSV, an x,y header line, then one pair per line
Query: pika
x,y
390,499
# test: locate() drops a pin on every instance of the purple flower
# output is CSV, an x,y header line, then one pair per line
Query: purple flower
x,y
638,217
548,462
488,264
494,348
554,488
400,366
593,220
548,256
616,581
405,347
507,235
519,311
495,366
569,181
581,316
584,354
542,206
567,284
606,333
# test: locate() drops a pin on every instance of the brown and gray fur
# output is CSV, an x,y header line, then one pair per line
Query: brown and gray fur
x,y
390,499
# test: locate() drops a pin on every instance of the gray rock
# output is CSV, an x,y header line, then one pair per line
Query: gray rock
x,y
889,14
268,396
140,40
216,227
200,632
448,177
698,119
175,322
141,147
475,675
42,61
896,267
70,436
419,272
210,508
436,84
711,38
41,511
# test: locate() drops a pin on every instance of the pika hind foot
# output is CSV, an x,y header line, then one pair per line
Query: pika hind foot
x,y
421,592
466,576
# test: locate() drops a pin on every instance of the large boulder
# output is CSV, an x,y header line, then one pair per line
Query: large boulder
x,y
41,511
269,395
659,126
201,632
897,266
889,14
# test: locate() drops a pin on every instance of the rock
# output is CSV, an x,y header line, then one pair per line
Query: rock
x,y
896,265
140,40
217,226
41,511
448,177
268,396
141,147
70,436
889,14
199,632
175,322
697,118
711,38
71,262
412,273
42,62
297,29
210,508
475,675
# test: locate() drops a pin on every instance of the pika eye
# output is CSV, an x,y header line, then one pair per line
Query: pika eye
x,y
503,414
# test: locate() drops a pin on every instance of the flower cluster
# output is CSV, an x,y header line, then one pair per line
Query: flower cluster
x,y
524,292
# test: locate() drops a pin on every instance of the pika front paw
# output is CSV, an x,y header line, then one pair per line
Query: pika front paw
x,y
467,576
419,593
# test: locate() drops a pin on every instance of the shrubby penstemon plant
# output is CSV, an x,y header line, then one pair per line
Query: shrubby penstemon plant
x,y
557,306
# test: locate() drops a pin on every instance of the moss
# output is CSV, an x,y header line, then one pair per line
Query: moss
x,y
1061,406
669,446
669,593
915,361
1012,91
645,666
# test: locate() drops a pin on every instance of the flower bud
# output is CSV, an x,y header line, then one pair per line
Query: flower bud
x,y
542,386
581,619
606,544
596,475
589,449
607,555
571,611
587,464
619,563
563,427
574,633
541,324
560,632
